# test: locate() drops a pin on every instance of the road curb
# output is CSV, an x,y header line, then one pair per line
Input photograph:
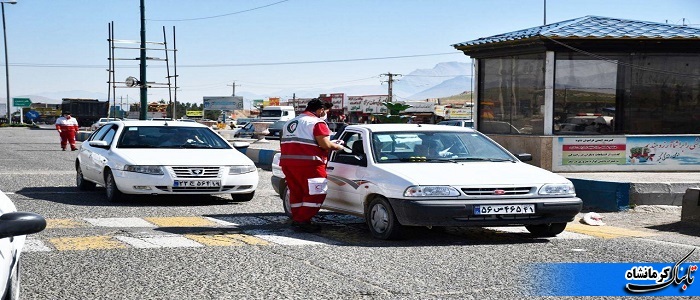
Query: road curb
x,y
261,157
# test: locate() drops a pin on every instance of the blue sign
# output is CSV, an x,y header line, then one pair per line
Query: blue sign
x,y
32,114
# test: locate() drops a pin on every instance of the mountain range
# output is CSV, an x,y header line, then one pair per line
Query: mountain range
x,y
443,80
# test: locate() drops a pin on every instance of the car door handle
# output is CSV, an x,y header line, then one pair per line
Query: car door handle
x,y
330,168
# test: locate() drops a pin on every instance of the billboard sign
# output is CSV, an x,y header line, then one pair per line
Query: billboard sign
x,y
337,100
223,103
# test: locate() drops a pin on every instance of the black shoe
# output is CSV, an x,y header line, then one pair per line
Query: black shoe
x,y
305,227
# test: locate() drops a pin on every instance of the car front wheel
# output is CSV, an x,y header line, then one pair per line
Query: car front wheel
x,y
242,197
546,230
80,181
285,202
113,193
382,221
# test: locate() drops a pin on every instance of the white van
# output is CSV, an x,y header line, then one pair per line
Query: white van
x,y
277,113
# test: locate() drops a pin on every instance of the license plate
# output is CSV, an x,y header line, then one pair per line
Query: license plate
x,y
197,183
511,209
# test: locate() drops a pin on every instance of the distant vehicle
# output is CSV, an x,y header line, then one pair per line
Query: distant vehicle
x,y
276,129
164,158
460,123
14,226
401,175
246,131
101,122
277,113
240,122
87,111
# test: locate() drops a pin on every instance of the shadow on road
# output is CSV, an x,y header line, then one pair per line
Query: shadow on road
x,y
682,227
73,196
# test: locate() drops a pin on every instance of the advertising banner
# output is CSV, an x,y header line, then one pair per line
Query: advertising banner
x,y
354,103
338,101
373,104
223,103
627,153
274,101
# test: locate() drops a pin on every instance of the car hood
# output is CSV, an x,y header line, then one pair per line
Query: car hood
x,y
473,173
169,157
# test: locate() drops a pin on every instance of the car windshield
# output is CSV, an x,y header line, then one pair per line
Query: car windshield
x,y
170,137
439,146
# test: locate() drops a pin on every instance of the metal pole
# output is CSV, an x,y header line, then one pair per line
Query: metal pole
x,y
7,65
144,85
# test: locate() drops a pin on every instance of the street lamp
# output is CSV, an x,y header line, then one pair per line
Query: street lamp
x,y
7,65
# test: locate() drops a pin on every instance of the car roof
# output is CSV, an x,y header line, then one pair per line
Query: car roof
x,y
155,123
408,127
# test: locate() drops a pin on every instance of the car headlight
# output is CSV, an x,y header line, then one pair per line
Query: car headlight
x,y
430,191
151,170
236,170
557,189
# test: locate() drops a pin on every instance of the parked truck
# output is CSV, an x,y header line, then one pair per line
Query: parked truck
x,y
87,111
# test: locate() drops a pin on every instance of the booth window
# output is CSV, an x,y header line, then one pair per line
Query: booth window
x,y
512,95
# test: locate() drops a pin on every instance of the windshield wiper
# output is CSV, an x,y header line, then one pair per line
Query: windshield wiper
x,y
484,159
442,160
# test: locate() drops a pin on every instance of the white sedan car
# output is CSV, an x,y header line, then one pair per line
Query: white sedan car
x,y
399,175
14,226
101,122
164,157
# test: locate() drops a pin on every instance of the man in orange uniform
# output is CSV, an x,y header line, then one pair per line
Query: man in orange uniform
x,y
67,126
305,144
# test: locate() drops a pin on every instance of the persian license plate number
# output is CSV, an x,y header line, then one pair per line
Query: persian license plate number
x,y
511,209
197,183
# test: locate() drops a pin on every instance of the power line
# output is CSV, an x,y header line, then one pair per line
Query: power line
x,y
218,16
32,65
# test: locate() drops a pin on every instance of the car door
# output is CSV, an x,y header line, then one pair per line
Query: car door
x,y
97,158
86,151
346,172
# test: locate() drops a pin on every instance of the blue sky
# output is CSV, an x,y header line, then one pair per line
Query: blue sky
x,y
61,45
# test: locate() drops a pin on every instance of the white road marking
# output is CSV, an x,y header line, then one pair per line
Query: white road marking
x,y
34,245
120,222
288,237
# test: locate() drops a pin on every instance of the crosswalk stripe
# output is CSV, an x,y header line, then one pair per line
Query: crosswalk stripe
x,y
180,221
64,223
290,238
606,232
35,245
119,222
227,239
86,243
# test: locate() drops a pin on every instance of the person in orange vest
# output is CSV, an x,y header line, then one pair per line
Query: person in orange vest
x,y
67,126
305,144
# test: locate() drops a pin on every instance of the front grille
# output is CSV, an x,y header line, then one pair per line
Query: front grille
x,y
201,189
491,191
196,172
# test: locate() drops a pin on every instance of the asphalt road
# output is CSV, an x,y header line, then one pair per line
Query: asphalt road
x,y
208,248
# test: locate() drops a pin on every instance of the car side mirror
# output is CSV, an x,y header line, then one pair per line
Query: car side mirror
x,y
99,144
524,156
20,223
240,145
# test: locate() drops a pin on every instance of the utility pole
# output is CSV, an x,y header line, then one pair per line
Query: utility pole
x,y
294,101
391,82
234,88
144,84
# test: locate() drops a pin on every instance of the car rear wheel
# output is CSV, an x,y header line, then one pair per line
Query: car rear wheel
x,y
242,197
382,221
113,193
80,181
285,202
546,230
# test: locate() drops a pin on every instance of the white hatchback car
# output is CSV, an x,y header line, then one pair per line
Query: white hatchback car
x,y
14,226
398,175
164,157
